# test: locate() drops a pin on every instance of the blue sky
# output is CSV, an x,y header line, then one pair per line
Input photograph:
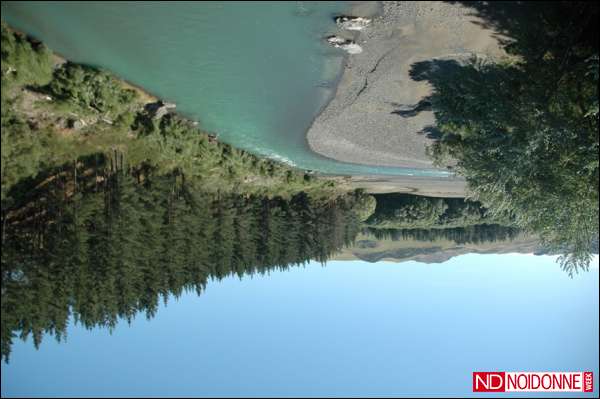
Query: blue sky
x,y
347,329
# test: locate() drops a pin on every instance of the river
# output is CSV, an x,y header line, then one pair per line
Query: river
x,y
255,74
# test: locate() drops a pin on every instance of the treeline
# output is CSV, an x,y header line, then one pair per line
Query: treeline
x,y
55,112
405,211
104,243
476,234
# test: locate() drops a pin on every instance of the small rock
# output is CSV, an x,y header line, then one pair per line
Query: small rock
x,y
159,109
333,40
212,138
351,48
347,45
352,23
76,124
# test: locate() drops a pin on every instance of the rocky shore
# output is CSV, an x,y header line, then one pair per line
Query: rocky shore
x,y
378,116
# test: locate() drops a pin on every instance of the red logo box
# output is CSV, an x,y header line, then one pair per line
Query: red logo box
x,y
489,381
526,381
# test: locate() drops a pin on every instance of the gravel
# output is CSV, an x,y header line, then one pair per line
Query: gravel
x,y
358,124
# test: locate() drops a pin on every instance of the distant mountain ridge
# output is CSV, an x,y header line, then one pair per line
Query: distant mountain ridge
x,y
370,249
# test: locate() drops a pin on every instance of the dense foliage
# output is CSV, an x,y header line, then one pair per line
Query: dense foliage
x,y
475,234
24,61
89,87
404,211
99,243
56,114
108,205
524,131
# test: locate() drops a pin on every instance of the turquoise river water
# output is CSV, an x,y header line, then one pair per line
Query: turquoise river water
x,y
255,74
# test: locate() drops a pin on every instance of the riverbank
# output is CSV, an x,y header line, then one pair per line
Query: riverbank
x,y
363,122
61,117
444,187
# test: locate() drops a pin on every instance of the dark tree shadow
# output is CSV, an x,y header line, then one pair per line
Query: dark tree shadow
x,y
433,70
413,110
532,28
508,123
431,132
